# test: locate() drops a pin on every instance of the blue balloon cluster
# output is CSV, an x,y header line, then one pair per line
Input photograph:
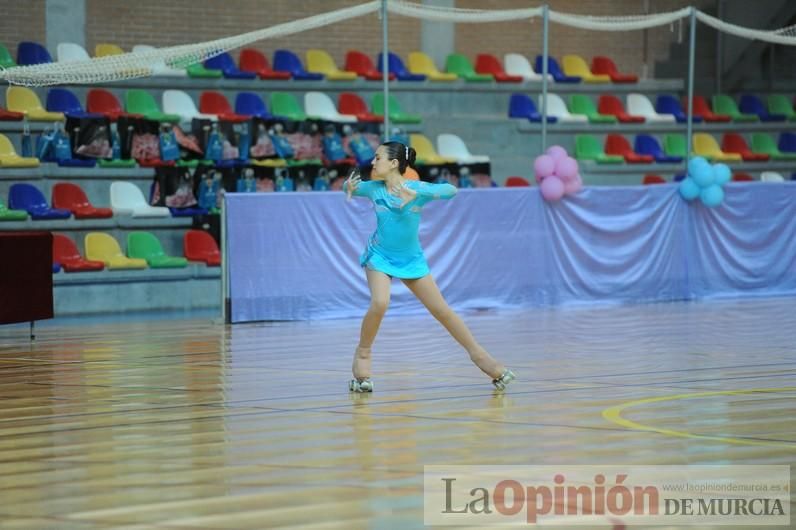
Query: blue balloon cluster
x,y
705,181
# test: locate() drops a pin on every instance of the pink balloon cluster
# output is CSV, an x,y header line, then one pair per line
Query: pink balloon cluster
x,y
557,173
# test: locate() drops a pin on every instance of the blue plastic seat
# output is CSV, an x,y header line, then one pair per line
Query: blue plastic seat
x,y
521,106
250,104
28,197
398,68
63,100
187,212
226,64
287,61
751,104
29,53
555,70
787,142
666,104
645,144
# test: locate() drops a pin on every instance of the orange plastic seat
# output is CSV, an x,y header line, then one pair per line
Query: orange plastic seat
x,y
350,103
602,65
198,245
254,61
616,144
611,105
356,61
735,143
66,253
703,110
68,196
486,63
101,101
212,102
517,182
653,179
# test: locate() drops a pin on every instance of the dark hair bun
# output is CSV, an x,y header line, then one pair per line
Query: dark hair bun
x,y
410,160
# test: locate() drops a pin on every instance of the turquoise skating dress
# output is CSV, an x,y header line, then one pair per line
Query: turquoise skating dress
x,y
394,248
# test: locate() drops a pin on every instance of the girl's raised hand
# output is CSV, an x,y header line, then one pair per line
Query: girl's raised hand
x,y
352,183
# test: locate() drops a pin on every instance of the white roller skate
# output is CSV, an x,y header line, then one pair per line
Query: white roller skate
x,y
505,378
360,385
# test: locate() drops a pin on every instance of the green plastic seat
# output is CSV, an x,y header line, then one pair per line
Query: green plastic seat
x,y
7,214
116,163
779,104
724,104
397,115
587,147
198,70
582,104
460,65
6,61
286,105
144,245
763,143
137,101
675,145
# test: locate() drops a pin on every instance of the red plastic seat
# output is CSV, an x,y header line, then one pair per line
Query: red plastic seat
x,y
254,61
71,197
616,144
601,65
742,177
360,63
10,115
735,143
100,101
486,63
611,105
212,102
350,103
198,245
653,179
702,109
65,252
517,182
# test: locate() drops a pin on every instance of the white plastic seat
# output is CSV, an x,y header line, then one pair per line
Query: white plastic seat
x,y
639,105
516,64
320,105
159,68
69,52
180,103
451,146
556,107
128,199
771,176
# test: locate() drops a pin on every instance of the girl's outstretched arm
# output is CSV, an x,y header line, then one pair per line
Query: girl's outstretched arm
x,y
430,192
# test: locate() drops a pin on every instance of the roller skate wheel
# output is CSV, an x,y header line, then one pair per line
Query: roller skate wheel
x,y
505,378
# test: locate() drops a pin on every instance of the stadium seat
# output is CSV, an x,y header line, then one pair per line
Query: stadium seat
x,y
735,143
179,103
611,105
285,105
742,177
101,101
128,199
675,145
320,105
359,63
750,104
779,104
521,106
396,66
486,63
763,143
583,105
6,60
787,142
724,104
707,146
397,115
602,65
452,146
558,109
645,144
224,62
517,65
25,100
670,105
159,67
250,104
702,110
320,62
575,66
199,245
68,196
254,61
66,254
616,144
10,158
460,66
587,147
426,154
554,70
517,182
771,176
68,52
28,197
64,101
216,104
105,49
7,214
145,245
139,101
353,105
7,115
199,71
287,61
422,64
103,247
653,179
30,53
639,105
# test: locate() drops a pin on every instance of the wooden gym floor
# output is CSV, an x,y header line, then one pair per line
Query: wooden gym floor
x,y
186,424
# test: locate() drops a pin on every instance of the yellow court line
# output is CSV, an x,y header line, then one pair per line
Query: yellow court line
x,y
614,415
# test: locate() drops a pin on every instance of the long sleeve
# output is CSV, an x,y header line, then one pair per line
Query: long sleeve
x,y
365,189
430,192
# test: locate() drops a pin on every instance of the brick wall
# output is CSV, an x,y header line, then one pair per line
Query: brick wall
x,y
21,21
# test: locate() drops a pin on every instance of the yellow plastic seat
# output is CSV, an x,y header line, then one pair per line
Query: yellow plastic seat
x,y
25,100
103,247
575,65
707,146
320,62
270,162
426,154
105,49
420,63
10,158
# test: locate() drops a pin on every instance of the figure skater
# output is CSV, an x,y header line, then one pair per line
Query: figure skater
x,y
394,251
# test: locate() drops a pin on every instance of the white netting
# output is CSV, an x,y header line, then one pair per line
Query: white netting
x,y
454,14
622,23
778,36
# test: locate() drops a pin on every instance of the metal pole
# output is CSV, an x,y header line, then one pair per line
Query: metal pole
x,y
545,9
691,50
719,48
385,75
224,248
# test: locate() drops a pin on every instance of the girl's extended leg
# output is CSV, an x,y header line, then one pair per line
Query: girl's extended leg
x,y
426,290
379,284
